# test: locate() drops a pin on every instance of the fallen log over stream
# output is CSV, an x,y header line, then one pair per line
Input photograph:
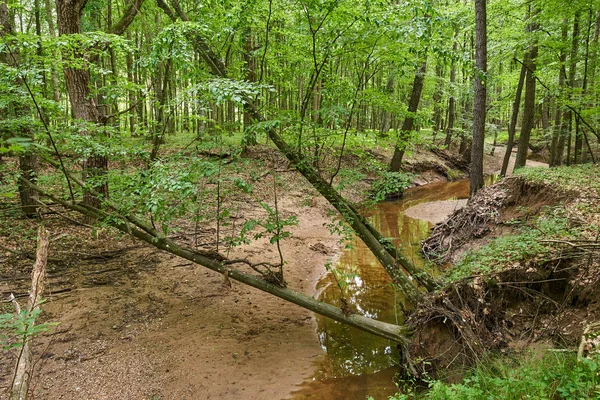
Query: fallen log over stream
x,y
133,226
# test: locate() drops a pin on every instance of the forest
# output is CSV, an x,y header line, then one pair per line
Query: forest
x,y
293,199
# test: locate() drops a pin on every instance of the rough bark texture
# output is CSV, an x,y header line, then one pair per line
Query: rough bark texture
x,y
409,121
23,369
479,103
77,80
83,105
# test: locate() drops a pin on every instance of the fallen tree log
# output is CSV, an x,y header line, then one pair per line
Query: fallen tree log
x,y
133,226
400,269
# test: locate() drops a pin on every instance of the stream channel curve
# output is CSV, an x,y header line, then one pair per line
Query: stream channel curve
x,y
356,364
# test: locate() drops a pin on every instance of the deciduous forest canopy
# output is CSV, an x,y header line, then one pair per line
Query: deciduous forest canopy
x,y
157,117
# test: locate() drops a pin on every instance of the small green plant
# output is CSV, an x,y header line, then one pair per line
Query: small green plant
x,y
15,329
556,375
506,251
390,184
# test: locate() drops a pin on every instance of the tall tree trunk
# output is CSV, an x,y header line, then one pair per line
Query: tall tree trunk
x,y
579,133
28,160
568,114
409,120
479,102
513,122
529,102
452,99
437,97
52,31
559,132
83,106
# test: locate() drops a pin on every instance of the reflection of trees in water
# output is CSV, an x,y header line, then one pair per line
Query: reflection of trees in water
x,y
369,289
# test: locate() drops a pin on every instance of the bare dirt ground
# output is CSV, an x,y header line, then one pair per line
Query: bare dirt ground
x,y
137,323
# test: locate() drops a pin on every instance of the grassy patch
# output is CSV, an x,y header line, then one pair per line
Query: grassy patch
x,y
578,178
513,250
556,375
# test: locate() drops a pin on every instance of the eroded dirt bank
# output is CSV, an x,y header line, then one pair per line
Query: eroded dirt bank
x,y
522,297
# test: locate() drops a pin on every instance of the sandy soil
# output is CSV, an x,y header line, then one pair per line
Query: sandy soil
x,y
158,327
435,211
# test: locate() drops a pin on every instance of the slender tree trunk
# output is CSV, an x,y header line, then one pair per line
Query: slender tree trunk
x,y
437,97
529,102
52,31
130,93
28,160
479,103
409,120
513,122
452,99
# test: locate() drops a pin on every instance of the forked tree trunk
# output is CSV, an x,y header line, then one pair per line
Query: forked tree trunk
x,y
513,122
409,120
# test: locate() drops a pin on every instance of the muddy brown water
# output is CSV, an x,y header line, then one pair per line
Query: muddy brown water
x,y
356,364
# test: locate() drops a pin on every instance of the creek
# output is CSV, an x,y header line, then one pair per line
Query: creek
x,y
356,364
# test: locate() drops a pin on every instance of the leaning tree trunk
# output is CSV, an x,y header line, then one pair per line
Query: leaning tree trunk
x,y
409,120
398,267
129,224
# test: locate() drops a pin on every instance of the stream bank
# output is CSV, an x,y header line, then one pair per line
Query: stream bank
x,y
138,324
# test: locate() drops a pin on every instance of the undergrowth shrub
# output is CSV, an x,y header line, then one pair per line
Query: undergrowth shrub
x,y
557,375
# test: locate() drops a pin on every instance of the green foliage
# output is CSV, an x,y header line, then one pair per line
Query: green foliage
x,y
16,328
273,227
512,250
577,177
390,184
555,376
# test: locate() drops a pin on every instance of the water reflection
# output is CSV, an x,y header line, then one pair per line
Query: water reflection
x,y
356,363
